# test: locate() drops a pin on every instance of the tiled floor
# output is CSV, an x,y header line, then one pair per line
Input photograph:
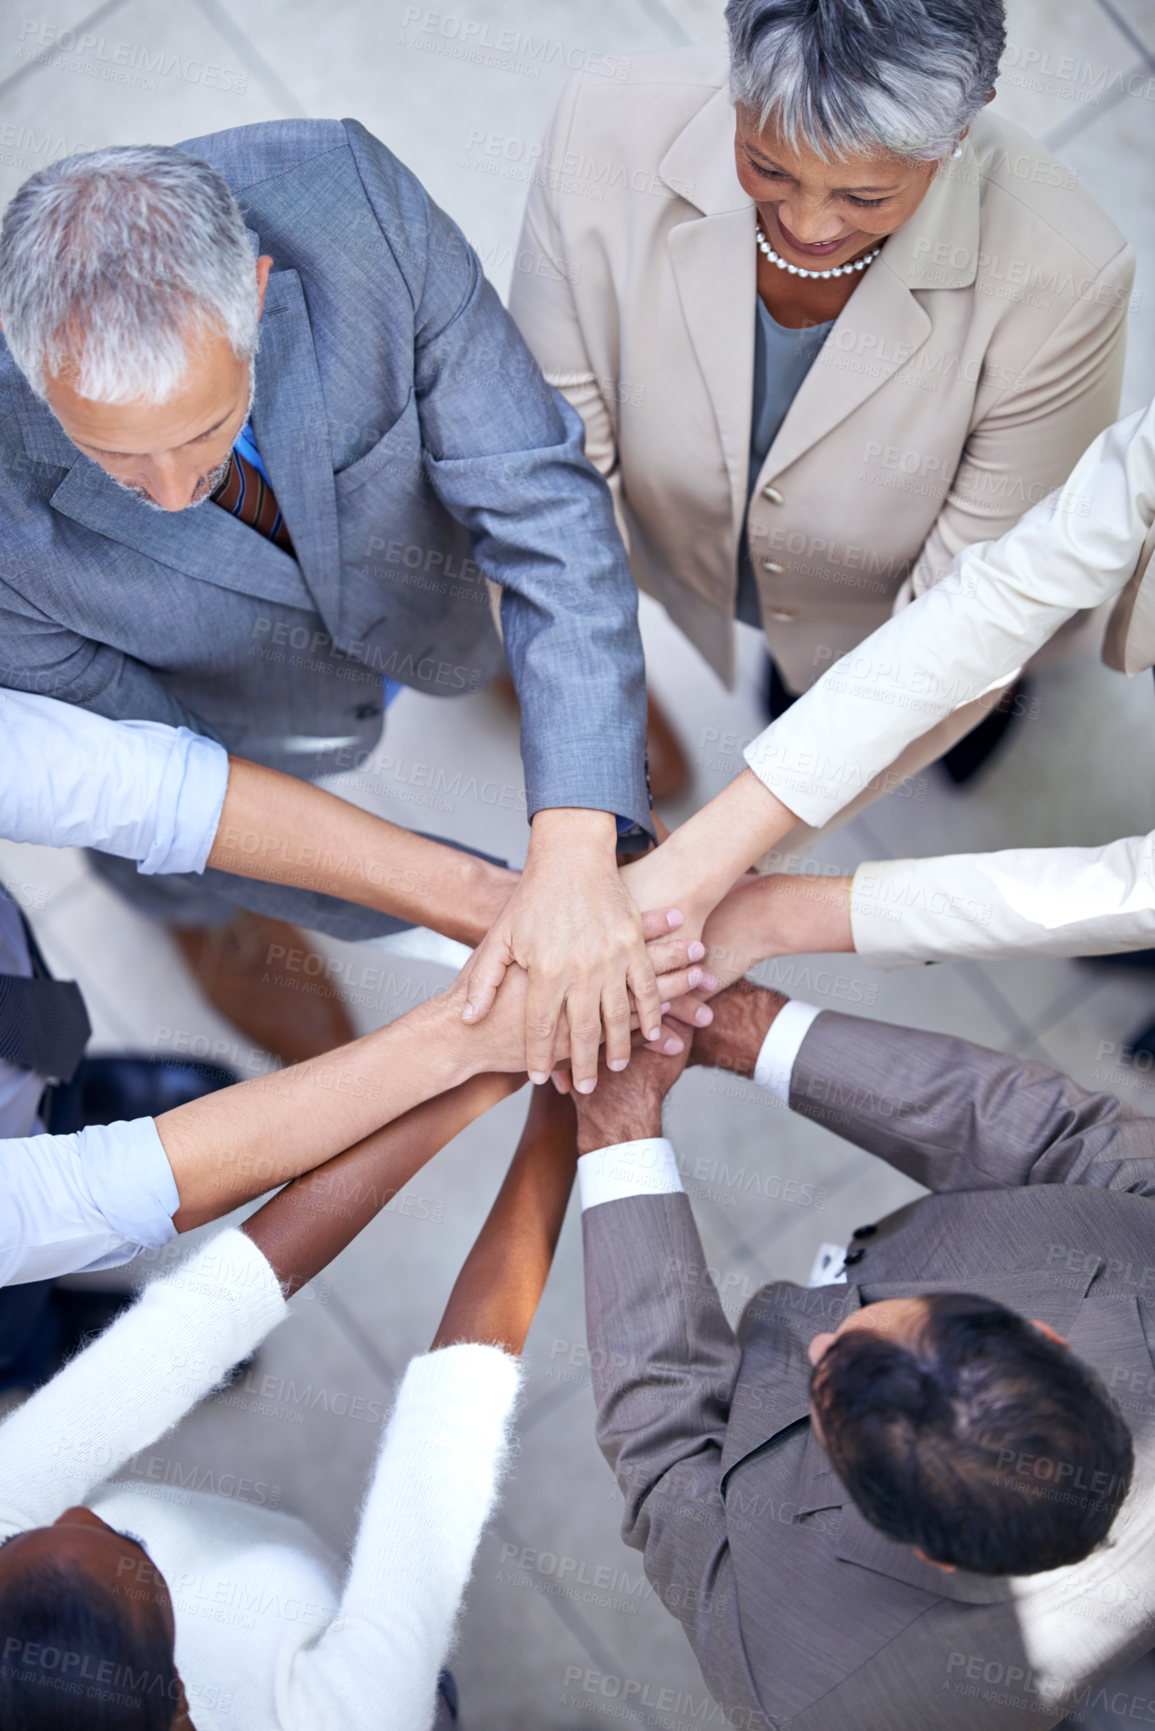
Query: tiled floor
x,y
538,1631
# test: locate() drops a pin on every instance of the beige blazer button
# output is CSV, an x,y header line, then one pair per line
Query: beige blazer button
x,y
773,567
774,496
782,615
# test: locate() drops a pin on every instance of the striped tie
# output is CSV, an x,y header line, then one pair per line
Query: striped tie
x,y
245,494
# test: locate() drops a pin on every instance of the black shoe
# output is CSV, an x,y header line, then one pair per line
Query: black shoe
x,y
775,695
114,1089
964,760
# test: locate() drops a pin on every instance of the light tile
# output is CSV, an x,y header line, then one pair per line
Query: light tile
x,y
153,74
1110,157
1060,62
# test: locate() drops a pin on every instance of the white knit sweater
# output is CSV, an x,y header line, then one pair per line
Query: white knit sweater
x,y
267,1639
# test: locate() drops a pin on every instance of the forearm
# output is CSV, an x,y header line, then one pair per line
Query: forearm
x,y
698,863
310,1221
499,1287
281,830
233,1145
777,915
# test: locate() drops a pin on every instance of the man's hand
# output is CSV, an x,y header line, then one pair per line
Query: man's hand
x,y
627,1106
743,1014
573,926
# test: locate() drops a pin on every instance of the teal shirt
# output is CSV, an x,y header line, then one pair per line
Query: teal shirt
x,y
782,359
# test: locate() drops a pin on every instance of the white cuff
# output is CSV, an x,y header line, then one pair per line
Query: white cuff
x,y
188,811
645,1168
775,1064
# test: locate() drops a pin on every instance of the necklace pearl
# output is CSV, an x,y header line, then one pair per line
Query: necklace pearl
x,y
767,251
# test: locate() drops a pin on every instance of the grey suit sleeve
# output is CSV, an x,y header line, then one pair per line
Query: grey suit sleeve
x,y
955,1116
505,455
665,1361
38,655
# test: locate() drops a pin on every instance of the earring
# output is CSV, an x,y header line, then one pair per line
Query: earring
x,y
957,151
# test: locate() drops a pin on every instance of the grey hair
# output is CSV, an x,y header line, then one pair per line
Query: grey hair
x,y
111,260
845,77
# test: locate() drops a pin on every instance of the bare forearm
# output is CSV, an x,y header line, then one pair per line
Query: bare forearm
x,y
694,868
233,1145
501,1282
281,830
310,1221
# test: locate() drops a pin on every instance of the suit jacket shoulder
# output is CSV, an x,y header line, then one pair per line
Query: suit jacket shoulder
x,y
248,155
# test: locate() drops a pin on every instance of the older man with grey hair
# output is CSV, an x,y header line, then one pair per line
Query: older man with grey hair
x,y
384,451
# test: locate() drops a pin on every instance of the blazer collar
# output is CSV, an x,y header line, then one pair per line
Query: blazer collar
x,y
291,427
772,1397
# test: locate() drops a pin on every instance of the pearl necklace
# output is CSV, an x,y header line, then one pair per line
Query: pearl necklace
x,y
767,251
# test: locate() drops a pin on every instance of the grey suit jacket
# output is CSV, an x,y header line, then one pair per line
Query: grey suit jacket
x,y
415,451
800,1613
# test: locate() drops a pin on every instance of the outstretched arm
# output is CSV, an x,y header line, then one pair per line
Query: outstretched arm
x,y
949,1114
999,602
502,1280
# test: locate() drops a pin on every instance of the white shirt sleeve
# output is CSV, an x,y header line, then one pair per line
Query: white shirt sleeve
x,y
780,1048
1060,901
643,1168
82,1202
136,1380
999,603
433,1490
134,788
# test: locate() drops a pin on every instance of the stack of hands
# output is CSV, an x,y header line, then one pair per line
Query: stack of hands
x,y
596,944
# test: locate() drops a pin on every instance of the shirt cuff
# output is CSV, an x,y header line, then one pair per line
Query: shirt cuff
x,y
780,1048
130,1180
644,1168
188,812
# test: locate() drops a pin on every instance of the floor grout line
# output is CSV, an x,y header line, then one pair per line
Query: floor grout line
x,y
1126,29
44,58
1068,130
226,25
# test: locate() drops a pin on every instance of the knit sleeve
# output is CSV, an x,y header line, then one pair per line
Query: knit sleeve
x,y
433,1489
136,1380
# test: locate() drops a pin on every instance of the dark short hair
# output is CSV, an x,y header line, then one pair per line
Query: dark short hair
x,y
71,1659
984,1443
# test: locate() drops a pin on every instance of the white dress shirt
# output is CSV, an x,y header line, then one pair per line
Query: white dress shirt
x,y
150,793
134,788
998,604
648,1167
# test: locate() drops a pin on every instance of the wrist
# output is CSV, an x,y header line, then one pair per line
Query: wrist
x,y
485,890
566,827
743,1016
642,1123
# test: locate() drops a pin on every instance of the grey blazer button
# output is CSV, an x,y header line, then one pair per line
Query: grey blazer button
x,y
853,1256
773,567
864,1231
782,615
366,711
773,495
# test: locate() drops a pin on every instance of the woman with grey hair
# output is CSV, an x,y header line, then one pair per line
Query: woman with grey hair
x,y
828,320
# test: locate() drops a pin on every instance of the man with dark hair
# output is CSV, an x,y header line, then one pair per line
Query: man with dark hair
x,y
924,1493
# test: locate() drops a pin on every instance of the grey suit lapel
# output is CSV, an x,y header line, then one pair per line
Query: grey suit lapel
x,y
291,424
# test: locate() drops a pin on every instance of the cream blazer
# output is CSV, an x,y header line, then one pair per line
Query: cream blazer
x,y
976,359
